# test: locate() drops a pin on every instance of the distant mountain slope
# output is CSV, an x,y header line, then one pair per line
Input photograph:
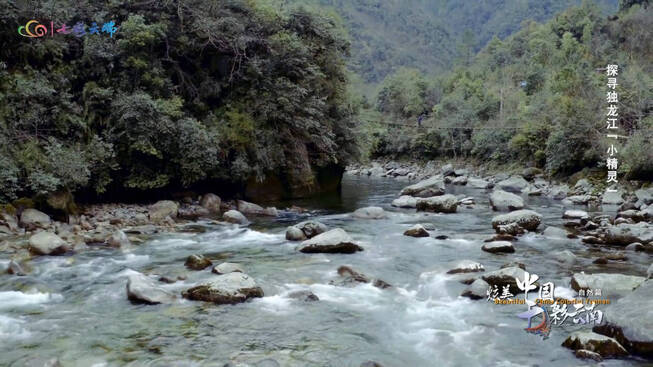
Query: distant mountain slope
x,y
431,34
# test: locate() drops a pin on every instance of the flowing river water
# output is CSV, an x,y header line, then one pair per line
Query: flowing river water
x,y
75,307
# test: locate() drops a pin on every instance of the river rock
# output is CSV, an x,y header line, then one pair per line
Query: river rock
x,y
234,216
333,241
601,344
416,231
163,209
526,219
211,202
612,198
498,247
8,223
466,266
634,215
564,256
530,173
229,288
118,239
506,276
226,268
197,262
192,212
439,204
460,180
611,284
649,272
447,170
14,268
305,295
629,320
504,201
32,219
555,232
644,196
312,228
434,185
579,199
47,243
477,183
587,354
405,201
625,233
351,277
295,234
141,289
583,186
370,212
477,290
251,208
559,192
513,184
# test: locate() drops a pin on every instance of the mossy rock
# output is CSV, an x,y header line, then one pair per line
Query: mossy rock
x,y
8,208
23,203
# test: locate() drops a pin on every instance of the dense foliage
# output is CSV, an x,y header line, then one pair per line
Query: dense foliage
x,y
538,97
185,91
431,35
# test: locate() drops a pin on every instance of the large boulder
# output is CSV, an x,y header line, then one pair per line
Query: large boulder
x,y
579,199
439,204
559,192
229,288
234,216
141,289
251,208
370,212
118,239
583,186
477,183
513,184
496,247
477,290
629,320
211,202
506,277
226,268
434,186
644,196
416,231
504,201
447,170
530,173
47,243
405,201
526,219
612,198
333,241
305,230
295,234
163,209
32,219
603,345
624,234
610,284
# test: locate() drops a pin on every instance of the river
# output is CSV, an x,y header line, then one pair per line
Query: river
x,y
75,307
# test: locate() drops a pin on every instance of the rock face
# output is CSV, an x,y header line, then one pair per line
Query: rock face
x,y
234,216
611,284
505,277
526,219
477,183
197,262
612,198
629,320
141,289
477,290
513,184
439,204
162,209
331,242
416,231
46,243
405,201
603,345
229,288
505,201
226,268
625,233
466,266
434,186
498,247
32,219
370,212
211,202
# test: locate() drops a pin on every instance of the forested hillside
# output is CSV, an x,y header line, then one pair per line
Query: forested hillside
x,y
431,35
184,92
538,97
